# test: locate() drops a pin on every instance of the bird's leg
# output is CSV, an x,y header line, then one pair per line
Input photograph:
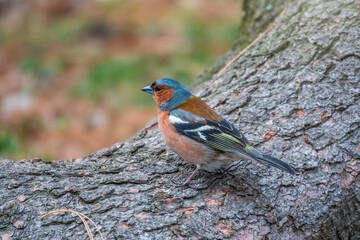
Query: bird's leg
x,y
188,180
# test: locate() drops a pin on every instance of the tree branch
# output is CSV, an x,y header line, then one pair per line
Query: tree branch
x,y
294,94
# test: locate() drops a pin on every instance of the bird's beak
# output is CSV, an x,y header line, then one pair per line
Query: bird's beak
x,y
148,89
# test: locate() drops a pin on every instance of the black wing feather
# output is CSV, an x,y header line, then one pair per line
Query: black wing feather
x,y
221,135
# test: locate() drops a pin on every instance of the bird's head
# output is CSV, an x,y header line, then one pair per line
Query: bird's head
x,y
168,93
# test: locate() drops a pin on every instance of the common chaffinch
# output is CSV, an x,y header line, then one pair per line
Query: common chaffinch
x,y
198,134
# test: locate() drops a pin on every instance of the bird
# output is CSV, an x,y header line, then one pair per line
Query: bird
x,y
199,135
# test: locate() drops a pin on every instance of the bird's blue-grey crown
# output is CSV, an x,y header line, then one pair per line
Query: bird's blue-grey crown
x,y
180,93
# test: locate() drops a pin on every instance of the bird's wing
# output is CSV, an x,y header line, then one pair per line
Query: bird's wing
x,y
222,135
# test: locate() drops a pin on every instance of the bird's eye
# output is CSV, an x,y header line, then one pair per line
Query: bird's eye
x,y
157,89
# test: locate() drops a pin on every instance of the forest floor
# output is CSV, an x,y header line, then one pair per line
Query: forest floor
x,y
71,71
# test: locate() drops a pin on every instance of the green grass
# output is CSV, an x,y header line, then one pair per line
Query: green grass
x,y
106,75
120,80
40,70
9,144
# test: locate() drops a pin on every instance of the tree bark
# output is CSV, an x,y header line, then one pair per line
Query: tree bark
x,y
294,94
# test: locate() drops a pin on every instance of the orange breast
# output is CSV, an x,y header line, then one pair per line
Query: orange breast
x,y
187,148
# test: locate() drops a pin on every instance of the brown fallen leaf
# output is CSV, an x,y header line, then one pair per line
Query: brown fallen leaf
x,y
268,135
301,113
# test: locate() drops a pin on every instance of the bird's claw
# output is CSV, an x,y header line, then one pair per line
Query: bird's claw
x,y
179,183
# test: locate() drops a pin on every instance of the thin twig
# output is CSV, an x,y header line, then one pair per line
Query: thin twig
x,y
82,217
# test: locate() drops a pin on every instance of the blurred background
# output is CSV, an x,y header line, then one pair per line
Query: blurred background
x,y
71,70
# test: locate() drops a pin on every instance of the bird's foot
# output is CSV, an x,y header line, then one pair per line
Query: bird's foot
x,y
188,180
179,183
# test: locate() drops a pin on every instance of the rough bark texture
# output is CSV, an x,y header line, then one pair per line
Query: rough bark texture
x,y
295,94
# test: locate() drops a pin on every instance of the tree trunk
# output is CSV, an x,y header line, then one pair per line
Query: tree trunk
x,y
294,94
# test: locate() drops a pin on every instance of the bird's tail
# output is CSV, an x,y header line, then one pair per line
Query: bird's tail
x,y
269,160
